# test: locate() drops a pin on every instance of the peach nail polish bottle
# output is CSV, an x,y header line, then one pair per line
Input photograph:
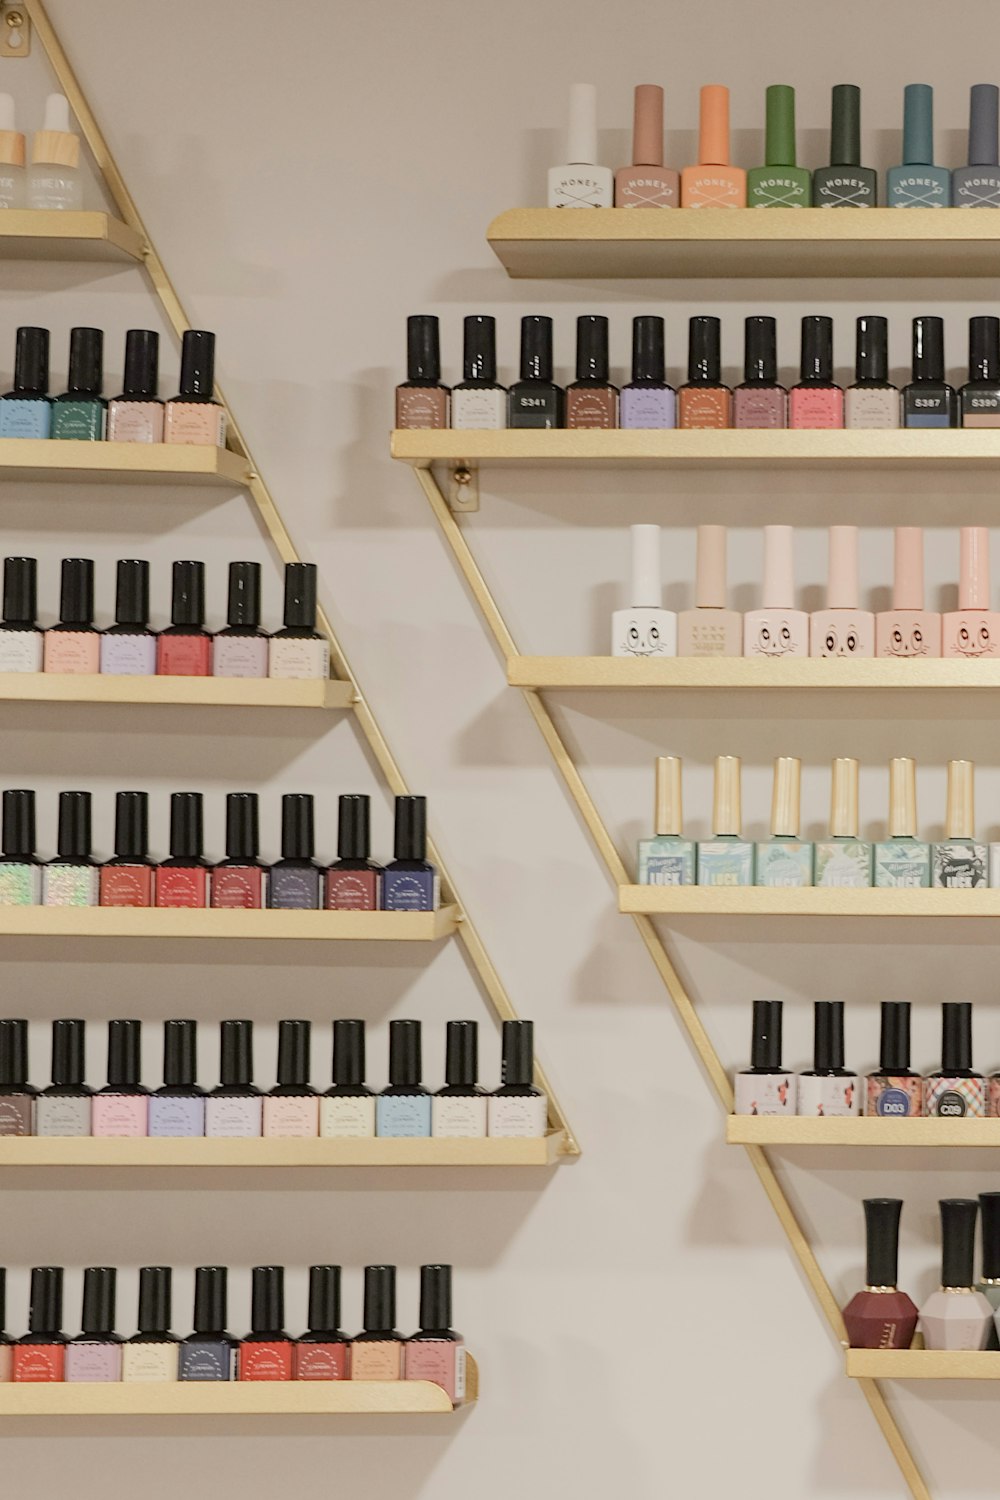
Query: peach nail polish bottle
x,y
908,629
973,629
704,401
842,629
647,183
778,629
710,629
713,183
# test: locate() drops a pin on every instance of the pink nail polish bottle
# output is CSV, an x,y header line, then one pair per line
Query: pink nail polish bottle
x,y
779,629
121,1108
973,629
816,401
842,629
908,629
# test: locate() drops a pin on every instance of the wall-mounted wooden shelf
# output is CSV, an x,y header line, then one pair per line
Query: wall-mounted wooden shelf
x,y
753,673
89,1151
799,242
815,901
51,460
66,234
217,692
922,1364
245,926
860,1130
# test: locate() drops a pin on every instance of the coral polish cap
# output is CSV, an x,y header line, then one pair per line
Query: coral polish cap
x,y
974,568
908,578
713,130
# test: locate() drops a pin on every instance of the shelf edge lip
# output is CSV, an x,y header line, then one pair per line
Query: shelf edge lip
x,y
922,1364
862,1131
315,1153
159,691
811,901
212,924
736,673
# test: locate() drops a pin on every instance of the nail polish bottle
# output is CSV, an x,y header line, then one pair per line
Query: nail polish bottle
x,y
13,178
74,645
152,1354
54,179
348,1107
668,858
918,183
647,183
95,1355
765,1088
591,400
844,859
973,630
17,1097
299,651
209,1353
128,647
178,1108
73,877
121,1108
907,629
710,629
136,416
404,1107
184,649
26,409
20,868
241,649
957,1090
978,184
783,859
928,401
903,860
979,399
194,415
20,638
534,400
713,183
777,629
760,401
989,1281
816,401
421,400
581,183
377,1353
845,183
409,882
353,881
645,628
296,879
828,1088
956,1316
291,1109
779,183
437,1352
6,1342
127,879
842,629
960,862
240,880
64,1108
41,1354
517,1108
704,401
81,412
234,1110
726,858
872,401
479,402
881,1316
459,1109
183,879
324,1352
648,401
266,1352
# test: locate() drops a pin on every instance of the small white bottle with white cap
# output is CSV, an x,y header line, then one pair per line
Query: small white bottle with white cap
x,y
644,629
581,183
13,186
54,179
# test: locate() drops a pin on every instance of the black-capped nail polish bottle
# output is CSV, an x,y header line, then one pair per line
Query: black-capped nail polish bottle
x,y
324,1351
183,878
234,1109
479,402
377,1352
410,882
535,400
354,881
184,648
73,877
828,1088
766,1087
21,641
298,650
459,1109
127,879
17,1097
348,1107
296,879
178,1108
404,1107
241,649
81,412
96,1353
152,1354
421,400
591,400
517,1107
437,1352
209,1353
929,401
20,867
267,1351
292,1106
957,1090
121,1108
74,645
40,1356
64,1108
979,398
128,647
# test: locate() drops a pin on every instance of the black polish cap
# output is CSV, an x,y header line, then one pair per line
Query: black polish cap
x,y
435,1298
765,1039
649,361
293,1053
479,361
242,826
124,1054
871,356
86,362
132,593
142,364
828,1035
404,1054
267,1300
99,1287
760,356
244,594
236,1054
984,118
13,1053
536,347
300,596
45,1307
154,1299
349,1053
410,839
180,1054
423,348
20,590
19,824
210,1299
958,1238
298,840
956,1037
894,1047
187,605
517,1054
592,348
380,1299
76,595
817,349
186,825
845,125
461,1054
132,825
928,349
197,363
882,1235
324,1299
984,349
74,825
989,1204
68,1053
353,826
704,352
31,362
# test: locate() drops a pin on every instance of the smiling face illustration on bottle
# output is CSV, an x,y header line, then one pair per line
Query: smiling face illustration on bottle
x,y
778,629
842,629
908,629
973,629
644,629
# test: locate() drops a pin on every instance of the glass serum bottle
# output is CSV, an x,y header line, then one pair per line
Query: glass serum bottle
x,y
478,402
645,629
918,183
668,858
726,858
54,179
13,179
581,182
844,860
765,1088
784,859
779,183
902,860
959,861
845,183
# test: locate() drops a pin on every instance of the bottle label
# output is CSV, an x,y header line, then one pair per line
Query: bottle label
x,y
765,1094
25,419
322,1362
181,885
149,1362
517,1116
821,1097
648,407
843,191
844,863
20,885
96,1361
423,406
77,651
81,421
128,655
760,407
184,655
894,1098
440,1361
591,406
298,657
960,865
50,188
409,890
62,1114
266,1361
39,1362
352,890
293,888
456,1116
726,862
707,407
201,422
816,406
871,408
15,1114
377,1359
70,885
20,650
233,1117
403,1115
176,1115
135,422
902,864
482,408
785,863
119,1114
288,1115
127,885
666,860
207,1359
954,1098
238,887
346,1115
240,656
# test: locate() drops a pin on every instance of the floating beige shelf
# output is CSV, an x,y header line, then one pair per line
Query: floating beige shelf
x,y
799,1130
799,242
815,901
184,922
222,692
52,460
66,234
798,673
91,1151
922,1364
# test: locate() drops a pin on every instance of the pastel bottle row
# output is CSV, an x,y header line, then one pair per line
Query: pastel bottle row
x,y
958,861
137,415
154,1354
237,1109
714,182
353,882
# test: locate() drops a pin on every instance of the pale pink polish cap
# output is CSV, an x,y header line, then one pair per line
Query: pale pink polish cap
x,y
647,126
908,585
842,591
710,582
779,574
974,568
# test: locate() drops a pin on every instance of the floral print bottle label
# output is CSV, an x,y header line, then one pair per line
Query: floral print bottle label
x,y
765,1093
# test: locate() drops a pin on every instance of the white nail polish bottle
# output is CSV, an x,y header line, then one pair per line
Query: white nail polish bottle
x,y
644,629
581,183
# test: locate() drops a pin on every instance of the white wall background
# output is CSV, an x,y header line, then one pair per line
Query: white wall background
x,y
310,175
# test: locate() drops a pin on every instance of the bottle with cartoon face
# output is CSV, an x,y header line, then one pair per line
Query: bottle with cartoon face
x,y
778,629
842,629
972,630
907,629
644,629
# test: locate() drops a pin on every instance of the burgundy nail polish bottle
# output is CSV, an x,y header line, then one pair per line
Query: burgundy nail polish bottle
x,y
184,649
353,882
266,1352
323,1353
437,1352
183,879
881,1316
127,879
240,880
41,1354
16,1094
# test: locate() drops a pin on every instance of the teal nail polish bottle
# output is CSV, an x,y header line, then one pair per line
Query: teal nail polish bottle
x,y
918,183
81,411
779,183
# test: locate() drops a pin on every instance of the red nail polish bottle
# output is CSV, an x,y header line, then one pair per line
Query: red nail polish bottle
x,y
183,879
240,880
41,1354
127,880
266,1352
324,1352
353,882
184,649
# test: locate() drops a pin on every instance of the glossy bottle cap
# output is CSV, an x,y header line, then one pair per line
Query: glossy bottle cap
x,y
842,591
142,364
668,814
785,797
844,798
86,362
188,597
958,1238
902,797
974,568
324,1299
779,131
31,362
918,125
180,1053
186,825
882,1235
648,356
20,590
98,1316
871,358
211,1313
713,126
74,825
592,347
76,595
297,826
517,1054
55,144
646,586
349,1053
45,1307
124,1054
984,349
989,1206
581,143
908,571
380,1299
779,573
293,1053
404,1054
479,348
236,1054
959,820
894,1044
536,347
13,1053
68,1053
132,592
300,596
435,1298
423,348
244,595
828,1035
154,1299
710,577
760,350
726,810
267,1300
242,826
704,353
410,832
197,363
817,349
765,1035
19,824
984,119
647,126
461,1060
956,1037
353,826
845,126
928,349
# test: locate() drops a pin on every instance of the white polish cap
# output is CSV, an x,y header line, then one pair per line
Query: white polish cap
x,y
582,143
647,585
